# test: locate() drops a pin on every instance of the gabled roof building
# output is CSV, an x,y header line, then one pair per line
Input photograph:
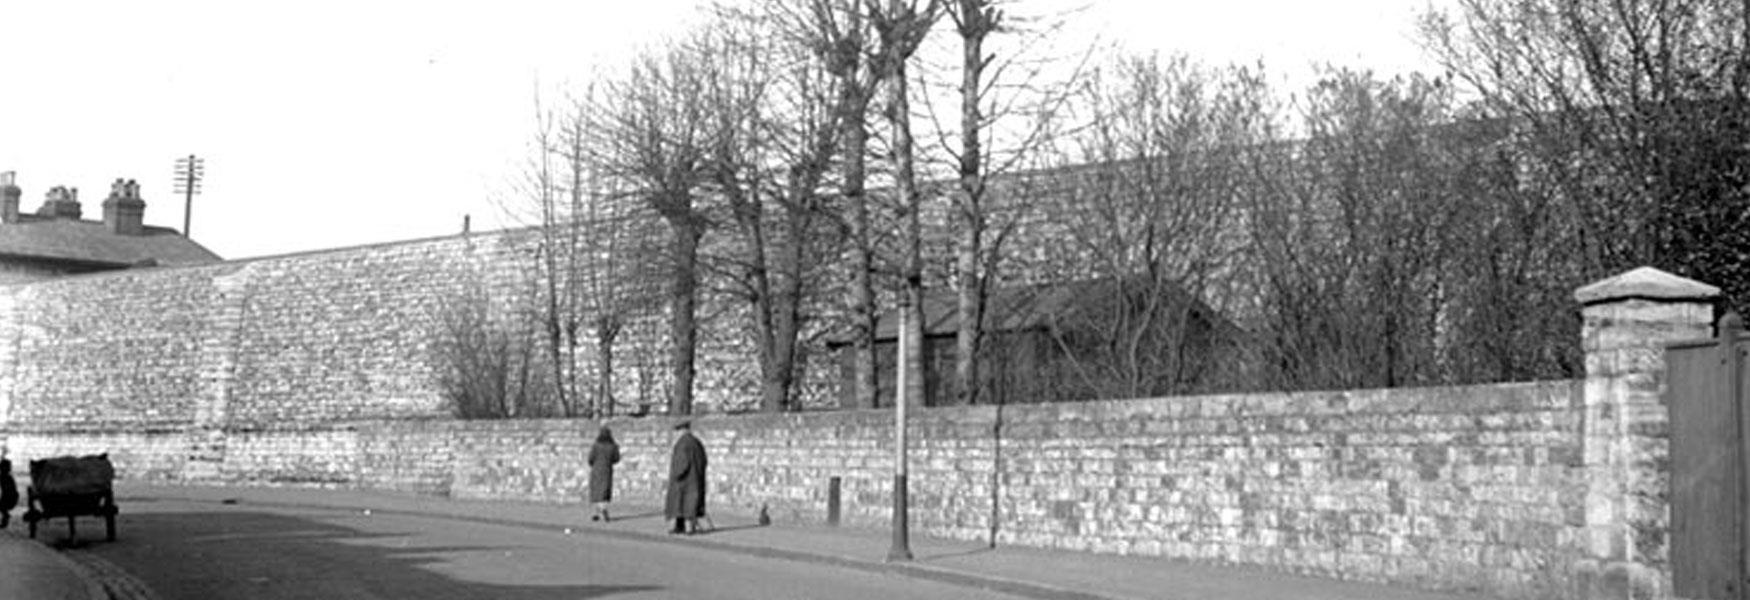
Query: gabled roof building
x,y
56,240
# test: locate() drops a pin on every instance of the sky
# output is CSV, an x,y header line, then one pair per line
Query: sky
x,y
329,123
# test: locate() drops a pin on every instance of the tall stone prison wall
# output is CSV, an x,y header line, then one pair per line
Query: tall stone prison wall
x,y
316,370
283,342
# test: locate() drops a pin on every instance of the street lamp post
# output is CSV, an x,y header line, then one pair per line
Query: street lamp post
x,y
901,550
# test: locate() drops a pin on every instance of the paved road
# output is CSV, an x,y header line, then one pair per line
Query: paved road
x,y
186,550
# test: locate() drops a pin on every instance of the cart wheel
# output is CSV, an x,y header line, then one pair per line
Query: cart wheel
x,y
32,523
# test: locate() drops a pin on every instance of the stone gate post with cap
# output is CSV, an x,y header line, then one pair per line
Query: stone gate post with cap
x,y
1623,531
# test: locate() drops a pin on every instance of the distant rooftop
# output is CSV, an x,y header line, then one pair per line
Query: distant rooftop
x,y
57,232
92,242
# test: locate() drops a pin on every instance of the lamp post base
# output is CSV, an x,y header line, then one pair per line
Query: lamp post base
x,y
901,550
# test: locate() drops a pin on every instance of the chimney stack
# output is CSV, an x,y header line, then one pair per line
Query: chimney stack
x,y
9,197
62,202
124,212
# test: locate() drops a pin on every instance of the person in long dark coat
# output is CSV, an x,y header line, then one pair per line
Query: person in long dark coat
x,y
603,455
8,492
686,482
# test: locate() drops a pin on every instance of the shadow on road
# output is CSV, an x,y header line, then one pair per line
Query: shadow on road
x,y
643,515
716,529
926,557
243,554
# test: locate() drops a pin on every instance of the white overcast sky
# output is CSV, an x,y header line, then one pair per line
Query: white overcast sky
x,y
341,122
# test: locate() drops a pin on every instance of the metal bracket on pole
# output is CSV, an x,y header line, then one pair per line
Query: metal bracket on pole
x,y
189,173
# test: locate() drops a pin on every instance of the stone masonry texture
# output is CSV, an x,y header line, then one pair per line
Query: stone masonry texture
x,y
316,370
1470,489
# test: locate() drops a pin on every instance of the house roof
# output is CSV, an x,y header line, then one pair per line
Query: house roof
x,y
1007,309
93,243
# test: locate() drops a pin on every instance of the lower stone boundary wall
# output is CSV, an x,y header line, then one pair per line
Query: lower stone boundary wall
x,y
1473,489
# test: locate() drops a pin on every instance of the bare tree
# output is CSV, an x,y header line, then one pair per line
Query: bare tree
x,y
974,20
777,131
1153,222
841,39
557,267
1631,112
484,346
1359,230
607,246
1510,266
654,133
1010,91
901,26
537,198
590,257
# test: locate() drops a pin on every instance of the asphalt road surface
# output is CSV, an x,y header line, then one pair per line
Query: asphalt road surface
x,y
177,549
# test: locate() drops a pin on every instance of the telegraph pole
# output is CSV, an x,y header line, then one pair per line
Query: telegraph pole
x,y
190,171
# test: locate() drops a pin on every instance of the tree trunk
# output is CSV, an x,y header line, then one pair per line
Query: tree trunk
x,y
786,293
683,304
607,330
570,382
787,319
973,27
573,268
968,336
899,115
553,316
765,307
864,381
555,354
781,382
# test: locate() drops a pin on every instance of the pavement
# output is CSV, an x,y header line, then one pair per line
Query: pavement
x,y
33,569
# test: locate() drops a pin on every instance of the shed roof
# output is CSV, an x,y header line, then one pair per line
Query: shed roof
x,y
1013,308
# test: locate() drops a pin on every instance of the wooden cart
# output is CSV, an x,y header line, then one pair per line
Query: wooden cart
x,y
71,486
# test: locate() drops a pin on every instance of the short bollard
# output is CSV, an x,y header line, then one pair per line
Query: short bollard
x,y
832,501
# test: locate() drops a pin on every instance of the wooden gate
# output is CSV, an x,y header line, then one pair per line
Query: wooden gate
x,y
1710,545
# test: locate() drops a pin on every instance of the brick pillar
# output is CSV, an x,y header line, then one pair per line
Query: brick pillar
x,y
1628,320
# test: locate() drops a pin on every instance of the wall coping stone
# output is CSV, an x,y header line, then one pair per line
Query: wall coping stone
x,y
1648,283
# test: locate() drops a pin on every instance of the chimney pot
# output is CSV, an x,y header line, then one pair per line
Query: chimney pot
x,y
62,202
123,211
9,197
